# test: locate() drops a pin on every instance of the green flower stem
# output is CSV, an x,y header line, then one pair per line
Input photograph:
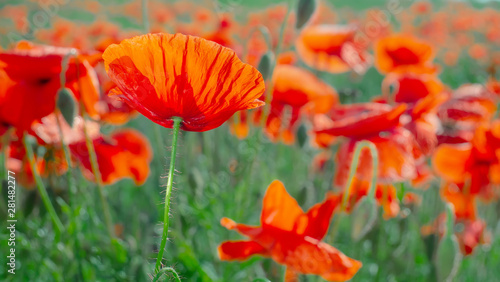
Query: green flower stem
x,y
354,167
58,226
168,192
352,172
277,52
166,270
98,179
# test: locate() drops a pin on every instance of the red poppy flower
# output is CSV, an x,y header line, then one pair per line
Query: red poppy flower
x,y
291,237
358,120
126,153
473,166
423,95
331,48
164,76
302,92
401,54
33,78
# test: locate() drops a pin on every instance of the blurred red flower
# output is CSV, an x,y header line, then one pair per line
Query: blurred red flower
x,y
291,237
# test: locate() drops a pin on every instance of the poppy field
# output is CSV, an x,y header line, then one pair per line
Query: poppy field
x,y
235,140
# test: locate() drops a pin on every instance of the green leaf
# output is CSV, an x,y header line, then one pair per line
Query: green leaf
x,y
305,10
66,104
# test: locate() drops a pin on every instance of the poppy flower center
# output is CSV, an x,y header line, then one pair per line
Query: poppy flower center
x,y
403,56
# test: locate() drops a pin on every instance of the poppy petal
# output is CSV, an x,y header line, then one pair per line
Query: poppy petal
x,y
165,76
450,161
279,208
240,250
316,221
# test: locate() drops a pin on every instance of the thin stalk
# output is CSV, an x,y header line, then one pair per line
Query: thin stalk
x,y
72,191
98,179
93,163
58,226
352,172
277,52
354,167
166,270
168,192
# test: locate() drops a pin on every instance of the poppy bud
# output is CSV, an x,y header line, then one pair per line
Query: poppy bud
x,y
305,10
448,256
266,65
302,135
66,104
364,218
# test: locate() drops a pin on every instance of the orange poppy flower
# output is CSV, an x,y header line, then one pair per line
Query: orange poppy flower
x,y
126,153
331,48
469,103
470,106
364,119
303,93
402,53
423,95
164,76
396,161
32,73
291,237
474,166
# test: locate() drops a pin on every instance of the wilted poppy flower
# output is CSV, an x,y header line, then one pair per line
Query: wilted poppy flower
x,y
331,48
291,237
164,76
32,73
474,166
303,93
401,54
126,153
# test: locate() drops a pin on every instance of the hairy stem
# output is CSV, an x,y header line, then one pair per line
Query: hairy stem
x,y
168,192
166,270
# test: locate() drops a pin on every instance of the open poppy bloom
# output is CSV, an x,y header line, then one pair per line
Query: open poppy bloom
x,y
474,166
331,48
423,94
302,92
164,76
470,106
379,124
402,54
126,153
291,237
32,75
